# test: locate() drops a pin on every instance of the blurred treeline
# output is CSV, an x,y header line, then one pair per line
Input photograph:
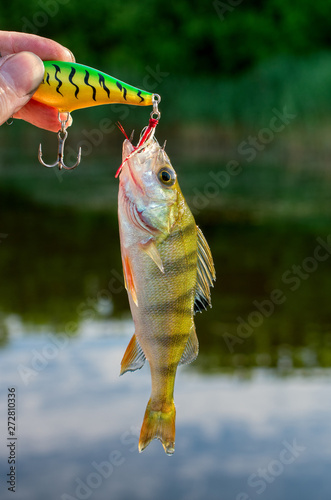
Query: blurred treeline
x,y
186,37
221,68
225,61
226,71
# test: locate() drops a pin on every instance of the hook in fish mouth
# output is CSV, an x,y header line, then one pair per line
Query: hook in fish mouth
x,y
146,135
120,126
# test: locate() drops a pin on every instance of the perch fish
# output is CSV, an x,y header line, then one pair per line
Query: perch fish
x,y
168,271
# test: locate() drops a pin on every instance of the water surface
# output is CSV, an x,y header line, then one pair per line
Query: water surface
x,y
233,431
253,411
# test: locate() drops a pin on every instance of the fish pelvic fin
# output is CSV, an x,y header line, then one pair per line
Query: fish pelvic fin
x,y
159,425
134,357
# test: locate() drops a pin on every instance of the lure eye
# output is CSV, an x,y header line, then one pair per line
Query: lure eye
x,y
166,176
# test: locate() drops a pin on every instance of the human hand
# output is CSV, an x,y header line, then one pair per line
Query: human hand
x,y
21,72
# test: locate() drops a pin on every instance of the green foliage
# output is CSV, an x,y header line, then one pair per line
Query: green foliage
x,y
183,37
208,60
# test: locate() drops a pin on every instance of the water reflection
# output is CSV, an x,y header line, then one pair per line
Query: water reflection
x,y
78,423
270,302
253,412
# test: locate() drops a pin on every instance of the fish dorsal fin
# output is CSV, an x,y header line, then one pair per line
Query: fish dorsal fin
x,y
191,350
134,357
205,274
128,278
149,247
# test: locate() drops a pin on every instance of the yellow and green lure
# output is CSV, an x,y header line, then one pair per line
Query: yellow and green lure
x,y
69,86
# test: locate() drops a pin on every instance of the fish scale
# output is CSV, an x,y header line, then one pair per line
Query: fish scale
x,y
168,270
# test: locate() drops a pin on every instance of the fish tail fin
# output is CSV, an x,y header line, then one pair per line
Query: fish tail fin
x,y
159,425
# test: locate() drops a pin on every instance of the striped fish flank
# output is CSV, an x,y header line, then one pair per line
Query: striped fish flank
x,y
168,270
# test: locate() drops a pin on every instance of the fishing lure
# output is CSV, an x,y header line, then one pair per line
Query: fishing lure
x,y
69,86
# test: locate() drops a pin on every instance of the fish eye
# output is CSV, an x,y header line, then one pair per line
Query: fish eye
x,y
166,176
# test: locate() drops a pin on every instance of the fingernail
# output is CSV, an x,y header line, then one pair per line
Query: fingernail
x,y
70,55
23,72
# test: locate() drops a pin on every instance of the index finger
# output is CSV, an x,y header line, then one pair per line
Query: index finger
x,y
12,42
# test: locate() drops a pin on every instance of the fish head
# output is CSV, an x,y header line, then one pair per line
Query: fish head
x,y
149,183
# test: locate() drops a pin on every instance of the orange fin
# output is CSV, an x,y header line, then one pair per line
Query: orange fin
x,y
134,357
150,248
128,278
159,425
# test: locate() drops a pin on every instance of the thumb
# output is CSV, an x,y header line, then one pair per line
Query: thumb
x,y
20,75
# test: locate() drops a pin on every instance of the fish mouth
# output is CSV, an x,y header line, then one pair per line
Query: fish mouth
x,y
127,148
135,180
146,137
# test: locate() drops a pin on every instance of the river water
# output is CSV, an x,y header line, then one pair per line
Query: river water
x,y
238,436
253,411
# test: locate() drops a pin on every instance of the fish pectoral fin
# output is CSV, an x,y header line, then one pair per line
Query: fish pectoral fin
x,y
191,350
150,248
129,279
134,357
205,274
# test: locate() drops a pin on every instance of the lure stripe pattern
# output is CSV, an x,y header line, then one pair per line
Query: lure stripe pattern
x,y
139,95
73,71
103,85
86,81
57,70
122,89
69,86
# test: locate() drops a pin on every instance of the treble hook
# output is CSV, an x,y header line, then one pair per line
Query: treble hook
x,y
62,136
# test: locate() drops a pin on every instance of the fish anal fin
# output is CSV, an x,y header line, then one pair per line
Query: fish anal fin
x,y
159,425
150,248
128,279
134,357
191,349
205,274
